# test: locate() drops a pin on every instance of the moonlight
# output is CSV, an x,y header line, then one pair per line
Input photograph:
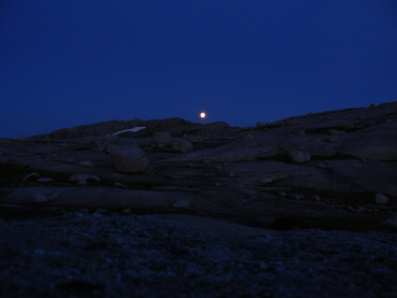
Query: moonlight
x,y
203,115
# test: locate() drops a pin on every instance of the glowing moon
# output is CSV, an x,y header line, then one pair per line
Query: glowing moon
x,y
203,115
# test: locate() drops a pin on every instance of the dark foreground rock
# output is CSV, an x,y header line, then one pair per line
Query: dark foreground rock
x,y
108,255
302,207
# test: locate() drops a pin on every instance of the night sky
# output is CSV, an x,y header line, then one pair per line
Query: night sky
x,y
64,63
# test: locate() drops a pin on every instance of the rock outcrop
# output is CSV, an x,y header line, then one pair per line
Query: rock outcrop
x,y
339,164
302,207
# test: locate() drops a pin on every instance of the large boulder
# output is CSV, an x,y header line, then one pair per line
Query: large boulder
x,y
128,159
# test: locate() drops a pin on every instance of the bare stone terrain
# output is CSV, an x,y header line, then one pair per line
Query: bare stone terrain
x,y
302,207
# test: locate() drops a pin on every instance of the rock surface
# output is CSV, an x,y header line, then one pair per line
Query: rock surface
x,y
302,207
102,254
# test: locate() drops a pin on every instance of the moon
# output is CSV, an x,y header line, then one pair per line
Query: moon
x,y
203,115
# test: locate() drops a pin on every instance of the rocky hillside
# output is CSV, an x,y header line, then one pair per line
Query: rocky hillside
x,y
301,170
335,172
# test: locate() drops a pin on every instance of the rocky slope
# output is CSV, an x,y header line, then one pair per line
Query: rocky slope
x,y
329,179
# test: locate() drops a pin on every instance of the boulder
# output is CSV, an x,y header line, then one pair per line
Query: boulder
x,y
128,159
381,199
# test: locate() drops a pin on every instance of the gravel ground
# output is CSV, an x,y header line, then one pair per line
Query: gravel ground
x,y
103,254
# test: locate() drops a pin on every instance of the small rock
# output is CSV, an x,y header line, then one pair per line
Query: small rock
x,y
299,156
349,208
381,199
31,176
182,204
87,163
84,179
120,185
391,222
41,198
298,197
45,180
317,198
323,165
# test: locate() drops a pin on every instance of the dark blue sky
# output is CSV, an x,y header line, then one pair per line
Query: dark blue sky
x,y
64,63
